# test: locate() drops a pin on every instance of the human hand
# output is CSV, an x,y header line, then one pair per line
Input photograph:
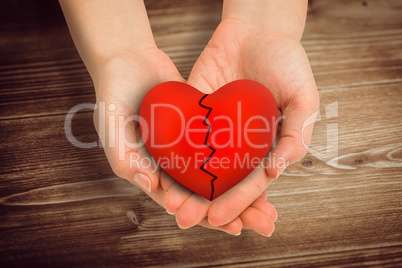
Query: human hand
x,y
123,82
252,48
124,64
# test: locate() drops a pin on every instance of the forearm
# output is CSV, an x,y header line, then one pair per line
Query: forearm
x,y
286,16
103,29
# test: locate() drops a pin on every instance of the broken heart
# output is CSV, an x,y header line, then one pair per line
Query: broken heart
x,y
209,142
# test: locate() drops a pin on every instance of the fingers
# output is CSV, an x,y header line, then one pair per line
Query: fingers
x,y
259,217
166,181
120,137
131,160
263,196
175,197
234,227
228,206
296,130
251,218
266,208
192,212
191,209
255,220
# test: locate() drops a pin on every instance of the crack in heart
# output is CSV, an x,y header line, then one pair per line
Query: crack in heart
x,y
168,111
207,145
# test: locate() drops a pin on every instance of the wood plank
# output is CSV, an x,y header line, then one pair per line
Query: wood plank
x,y
155,231
58,79
36,153
347,196
62,206
39,77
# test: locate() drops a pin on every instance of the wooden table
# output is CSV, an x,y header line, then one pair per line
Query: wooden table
x,y
63,206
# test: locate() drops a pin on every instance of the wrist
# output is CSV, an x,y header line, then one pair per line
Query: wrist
x,y
103,30
286,17
116,65
104,56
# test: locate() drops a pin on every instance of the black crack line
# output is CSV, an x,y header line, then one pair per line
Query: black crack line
x,y
209,146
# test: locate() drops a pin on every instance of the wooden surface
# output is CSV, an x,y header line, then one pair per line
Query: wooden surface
x,y
62,206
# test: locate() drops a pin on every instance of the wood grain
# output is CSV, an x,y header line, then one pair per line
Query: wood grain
x,y
63,206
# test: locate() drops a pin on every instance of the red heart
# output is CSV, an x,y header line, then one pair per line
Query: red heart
x,y
209,143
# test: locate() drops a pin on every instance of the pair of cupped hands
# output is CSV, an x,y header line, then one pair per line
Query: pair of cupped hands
x,y
237,50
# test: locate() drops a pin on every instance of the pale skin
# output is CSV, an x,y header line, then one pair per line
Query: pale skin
x,y
256,39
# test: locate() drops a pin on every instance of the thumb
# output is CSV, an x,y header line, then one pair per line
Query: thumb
x,y
121,140
297,127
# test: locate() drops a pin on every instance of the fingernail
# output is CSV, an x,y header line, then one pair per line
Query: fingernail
x,y
266,235
277,174
170,213
181,227
237,234
143,181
